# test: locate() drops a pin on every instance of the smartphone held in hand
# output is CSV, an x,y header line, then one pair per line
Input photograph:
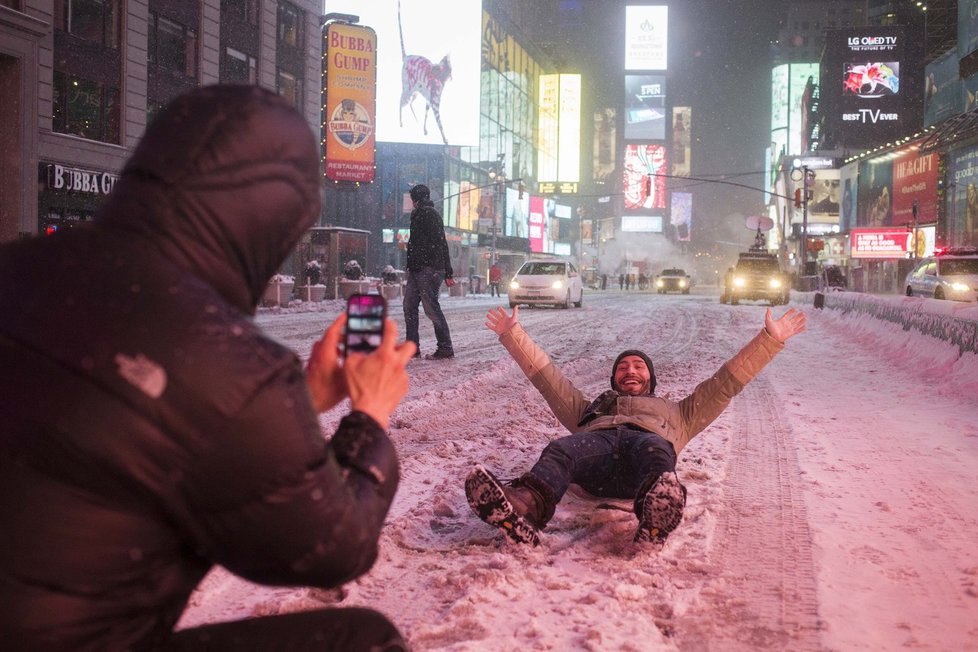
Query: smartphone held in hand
x,y
365,314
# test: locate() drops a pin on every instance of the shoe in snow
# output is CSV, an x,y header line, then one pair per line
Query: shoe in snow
x,y
662,509
488,500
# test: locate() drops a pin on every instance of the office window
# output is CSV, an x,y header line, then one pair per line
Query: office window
x,y
172,46
289,25
243,10
85,108
238,67
290,88
92,20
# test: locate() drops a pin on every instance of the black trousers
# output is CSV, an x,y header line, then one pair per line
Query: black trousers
x,y
342,630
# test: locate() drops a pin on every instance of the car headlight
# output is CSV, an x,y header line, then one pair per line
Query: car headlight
x,y
660,283
557,284
960,287
682,283
775,283
513,285
739,281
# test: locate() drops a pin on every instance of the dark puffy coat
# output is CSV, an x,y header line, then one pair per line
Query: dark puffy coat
x,y
150,429
427,246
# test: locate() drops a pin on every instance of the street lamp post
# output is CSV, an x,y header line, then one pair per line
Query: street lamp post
x,y
807,176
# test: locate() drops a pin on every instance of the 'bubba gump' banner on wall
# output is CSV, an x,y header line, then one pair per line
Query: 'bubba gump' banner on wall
x,y
62,178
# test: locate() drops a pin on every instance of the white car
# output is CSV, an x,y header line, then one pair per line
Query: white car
x,y
950,274
546,282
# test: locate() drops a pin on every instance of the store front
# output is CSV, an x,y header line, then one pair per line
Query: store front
x,y
69,195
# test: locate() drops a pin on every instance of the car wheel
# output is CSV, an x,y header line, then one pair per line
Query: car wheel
x,y
567,301
580,300
938,293
685,291
909,291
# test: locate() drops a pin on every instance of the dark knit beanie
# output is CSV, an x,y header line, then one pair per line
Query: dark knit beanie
x,y
420,192
648,363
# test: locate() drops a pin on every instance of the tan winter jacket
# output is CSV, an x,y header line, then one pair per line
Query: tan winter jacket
x,y
678,422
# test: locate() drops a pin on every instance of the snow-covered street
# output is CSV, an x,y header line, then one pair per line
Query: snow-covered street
x,y
834,505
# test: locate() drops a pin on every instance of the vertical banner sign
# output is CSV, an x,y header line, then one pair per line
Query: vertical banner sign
x,y
915,180
349,104
569,125
548,105
682,117
681,215
536,233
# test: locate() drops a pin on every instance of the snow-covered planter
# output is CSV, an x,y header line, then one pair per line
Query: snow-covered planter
x,y
279,290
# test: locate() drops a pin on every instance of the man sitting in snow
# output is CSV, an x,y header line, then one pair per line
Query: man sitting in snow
x,y
624,442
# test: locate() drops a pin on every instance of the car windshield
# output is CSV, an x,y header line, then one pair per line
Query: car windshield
x,y
757,265
543,269
673,272
960,266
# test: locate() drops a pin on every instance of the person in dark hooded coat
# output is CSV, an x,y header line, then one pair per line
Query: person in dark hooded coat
x,y
624,443
153,431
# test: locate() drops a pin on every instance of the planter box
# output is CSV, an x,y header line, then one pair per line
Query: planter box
x,y
277,294
348,288
311,292
393,291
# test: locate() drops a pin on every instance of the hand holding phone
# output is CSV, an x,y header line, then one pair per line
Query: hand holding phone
x,y
364,323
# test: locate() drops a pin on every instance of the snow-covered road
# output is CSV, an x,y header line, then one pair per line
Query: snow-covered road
x,y
834,505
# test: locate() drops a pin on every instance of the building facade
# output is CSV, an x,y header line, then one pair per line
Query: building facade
x,y
81,79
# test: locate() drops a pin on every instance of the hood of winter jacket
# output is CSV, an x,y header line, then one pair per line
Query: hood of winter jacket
x,y
224,182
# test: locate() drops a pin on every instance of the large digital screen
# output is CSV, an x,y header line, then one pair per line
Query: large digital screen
x,y
644,162
681,214
682,122
869,92
641,223
428,75
548,121
605,137
569,129
645,107
963,170
517,213
646,37
537,225
914,182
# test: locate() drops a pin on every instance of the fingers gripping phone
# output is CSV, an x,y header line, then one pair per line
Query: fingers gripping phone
x,y
365,314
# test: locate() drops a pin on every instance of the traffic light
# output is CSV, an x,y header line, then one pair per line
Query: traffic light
x,y
521,188
647,186
797,197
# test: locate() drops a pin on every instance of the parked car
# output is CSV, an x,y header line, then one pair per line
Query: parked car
x,y
949,274
673,280
546,282
758,277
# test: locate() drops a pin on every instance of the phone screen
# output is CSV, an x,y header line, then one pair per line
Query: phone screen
x,y
365,315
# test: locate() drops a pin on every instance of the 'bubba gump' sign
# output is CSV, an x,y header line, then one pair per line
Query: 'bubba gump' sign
x,y
67,179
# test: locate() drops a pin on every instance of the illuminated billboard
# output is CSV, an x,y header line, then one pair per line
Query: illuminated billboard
x,y
559,133
517,213
537,225
641,223
880,243
646,37
914,181
682,122
349,102
963,170
681,214
605,137
428,75
645,107
869,92
789,106
643,187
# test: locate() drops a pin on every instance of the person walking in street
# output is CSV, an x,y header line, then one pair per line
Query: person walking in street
x,y
175,434
624,443
495,276
621,281
428,265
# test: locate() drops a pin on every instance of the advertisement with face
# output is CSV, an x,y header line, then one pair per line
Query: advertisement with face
x,y
800,76
428,68
967,27
642,161
848,176
645,107
517,213
875,194
942,89
646,37
963,172
914,180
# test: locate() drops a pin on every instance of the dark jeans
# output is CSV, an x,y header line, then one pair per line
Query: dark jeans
x,y
605,463
327,629
494,289
422,288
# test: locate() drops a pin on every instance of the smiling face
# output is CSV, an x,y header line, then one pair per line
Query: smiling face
x,y
632,376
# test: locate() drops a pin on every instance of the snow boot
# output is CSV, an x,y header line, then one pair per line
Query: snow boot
x,y
660,509
511,509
